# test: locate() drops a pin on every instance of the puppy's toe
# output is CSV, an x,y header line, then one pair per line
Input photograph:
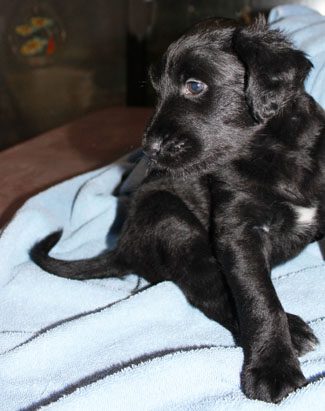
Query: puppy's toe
x,y
302,336
272,379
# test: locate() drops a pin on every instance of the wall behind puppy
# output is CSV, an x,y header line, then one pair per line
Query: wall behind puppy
x,y
59,59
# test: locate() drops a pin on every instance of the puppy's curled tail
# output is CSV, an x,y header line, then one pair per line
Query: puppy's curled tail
x,y
101,266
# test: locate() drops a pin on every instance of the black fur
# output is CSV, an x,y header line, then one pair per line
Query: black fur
x,y
235,186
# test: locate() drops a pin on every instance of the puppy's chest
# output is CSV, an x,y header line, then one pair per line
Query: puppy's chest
x,y
196,196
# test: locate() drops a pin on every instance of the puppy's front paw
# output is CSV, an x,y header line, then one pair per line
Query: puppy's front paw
x,y
302,336
272,378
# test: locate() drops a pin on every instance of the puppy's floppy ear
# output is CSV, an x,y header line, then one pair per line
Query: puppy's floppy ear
x,y
275,70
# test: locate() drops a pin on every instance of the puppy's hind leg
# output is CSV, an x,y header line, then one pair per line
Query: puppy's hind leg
x,y
205,287
175,246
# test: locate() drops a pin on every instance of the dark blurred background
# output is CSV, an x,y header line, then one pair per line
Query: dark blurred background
x,y
61,59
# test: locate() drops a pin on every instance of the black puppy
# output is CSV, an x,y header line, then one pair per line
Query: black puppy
x,y
235,186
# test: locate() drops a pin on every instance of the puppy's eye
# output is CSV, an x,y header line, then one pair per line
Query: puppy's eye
x,y
194,87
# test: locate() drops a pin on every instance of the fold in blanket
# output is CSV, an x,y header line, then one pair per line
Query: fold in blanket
x,y
117,344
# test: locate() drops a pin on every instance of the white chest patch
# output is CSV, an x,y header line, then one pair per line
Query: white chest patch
x,y
305,215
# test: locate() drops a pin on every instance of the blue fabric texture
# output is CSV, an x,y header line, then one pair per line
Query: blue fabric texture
x,y
119,345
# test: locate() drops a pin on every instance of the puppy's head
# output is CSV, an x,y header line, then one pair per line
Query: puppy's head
x,y
215,85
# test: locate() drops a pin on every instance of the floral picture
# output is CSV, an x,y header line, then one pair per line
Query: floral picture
x,y
35,45
37,38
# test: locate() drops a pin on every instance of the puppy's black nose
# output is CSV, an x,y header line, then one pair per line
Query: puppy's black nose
x,y
152,151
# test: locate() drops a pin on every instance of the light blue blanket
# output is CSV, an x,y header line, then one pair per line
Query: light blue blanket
x,y
118,345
